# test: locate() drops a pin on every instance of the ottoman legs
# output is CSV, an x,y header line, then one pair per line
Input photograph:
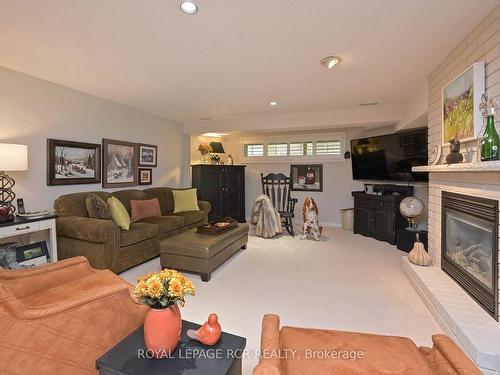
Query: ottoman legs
x,y
205,276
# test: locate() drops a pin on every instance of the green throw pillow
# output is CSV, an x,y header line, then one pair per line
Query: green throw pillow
x,y
185,200
119,213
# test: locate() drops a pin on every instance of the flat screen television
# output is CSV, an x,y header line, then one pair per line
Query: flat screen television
x,y
390,157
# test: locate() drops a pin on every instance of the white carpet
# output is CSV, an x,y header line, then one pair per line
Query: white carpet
x,y
344,282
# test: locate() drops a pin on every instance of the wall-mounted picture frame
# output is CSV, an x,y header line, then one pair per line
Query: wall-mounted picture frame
x,y
306,177
145,176
461,116
71,163
148,155
119,163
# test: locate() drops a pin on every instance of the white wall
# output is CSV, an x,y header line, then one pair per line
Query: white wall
x,y
32,110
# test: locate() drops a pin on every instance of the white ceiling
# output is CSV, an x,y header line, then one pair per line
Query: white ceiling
x,y
234,56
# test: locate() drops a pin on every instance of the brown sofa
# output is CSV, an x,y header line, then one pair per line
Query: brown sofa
x,y
104,244
61,317
324,352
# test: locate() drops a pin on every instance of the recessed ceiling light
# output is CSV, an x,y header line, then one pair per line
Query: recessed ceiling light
x,y
368,104
330,61
189,7
273,103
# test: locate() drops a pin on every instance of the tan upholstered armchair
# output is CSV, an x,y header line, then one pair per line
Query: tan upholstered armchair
x,y
61,317
311,351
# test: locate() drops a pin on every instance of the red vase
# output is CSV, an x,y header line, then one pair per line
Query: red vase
x,y
162,331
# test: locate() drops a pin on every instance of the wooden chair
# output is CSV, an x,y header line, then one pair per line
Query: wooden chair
x,y
277,187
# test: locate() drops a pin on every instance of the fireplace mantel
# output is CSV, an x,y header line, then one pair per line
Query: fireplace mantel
x,y
485,166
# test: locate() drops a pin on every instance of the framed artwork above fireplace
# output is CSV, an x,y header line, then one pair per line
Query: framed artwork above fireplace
x,y
461,97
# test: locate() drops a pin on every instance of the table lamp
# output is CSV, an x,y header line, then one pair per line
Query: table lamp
x,y
12,158
412,208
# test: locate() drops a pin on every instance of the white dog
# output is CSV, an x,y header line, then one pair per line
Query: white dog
x,y
312,230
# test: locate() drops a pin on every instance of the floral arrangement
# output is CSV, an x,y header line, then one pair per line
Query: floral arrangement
x,y
163,289
204,149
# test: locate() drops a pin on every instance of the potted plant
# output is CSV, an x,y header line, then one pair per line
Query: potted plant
x,y
163,292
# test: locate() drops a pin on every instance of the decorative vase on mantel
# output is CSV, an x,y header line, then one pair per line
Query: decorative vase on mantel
x,y
163,292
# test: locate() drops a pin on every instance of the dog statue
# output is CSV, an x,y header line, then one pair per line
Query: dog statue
x,y
312,230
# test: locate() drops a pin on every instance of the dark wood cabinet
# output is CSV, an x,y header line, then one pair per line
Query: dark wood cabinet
x,y
378,216
224,187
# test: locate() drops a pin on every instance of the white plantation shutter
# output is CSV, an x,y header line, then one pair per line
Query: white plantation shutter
x,y
301,149
331,147
277,149
252,150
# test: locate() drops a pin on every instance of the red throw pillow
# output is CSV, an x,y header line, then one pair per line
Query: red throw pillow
x,y
144,208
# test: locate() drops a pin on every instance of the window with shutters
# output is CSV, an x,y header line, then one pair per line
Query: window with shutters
x,y
253,150
320,147
277,149
330,147
301,148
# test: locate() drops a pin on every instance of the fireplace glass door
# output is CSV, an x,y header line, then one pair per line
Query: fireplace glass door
x,y
469,246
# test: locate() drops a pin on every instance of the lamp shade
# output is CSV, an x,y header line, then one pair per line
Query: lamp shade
x,y
13,157
217,147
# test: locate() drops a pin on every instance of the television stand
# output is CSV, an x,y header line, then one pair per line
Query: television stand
x,y
378,216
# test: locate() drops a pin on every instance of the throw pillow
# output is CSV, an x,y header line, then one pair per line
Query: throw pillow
x,y
119,213
185,200
97,208
143,209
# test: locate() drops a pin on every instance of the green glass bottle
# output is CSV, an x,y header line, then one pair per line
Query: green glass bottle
x,y
490,143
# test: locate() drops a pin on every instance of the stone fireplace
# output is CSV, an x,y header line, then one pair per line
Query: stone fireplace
x,y
469,246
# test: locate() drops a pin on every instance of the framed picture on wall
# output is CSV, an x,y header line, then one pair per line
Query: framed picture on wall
x,y
148,155
461,97
70,163
145,176
119,163
306,177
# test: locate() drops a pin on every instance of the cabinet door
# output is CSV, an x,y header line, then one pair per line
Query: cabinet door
x,y
213,193
384,223
363,220
234,194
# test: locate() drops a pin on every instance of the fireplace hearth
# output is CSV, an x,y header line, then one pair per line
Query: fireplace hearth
x,y
469,244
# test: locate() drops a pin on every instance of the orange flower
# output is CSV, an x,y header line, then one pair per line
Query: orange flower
x,y
140,289
154,287
175,288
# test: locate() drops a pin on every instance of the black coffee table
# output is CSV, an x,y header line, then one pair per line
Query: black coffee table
x,y
191,357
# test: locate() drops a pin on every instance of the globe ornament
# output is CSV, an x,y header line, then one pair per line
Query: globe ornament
x,y
411,208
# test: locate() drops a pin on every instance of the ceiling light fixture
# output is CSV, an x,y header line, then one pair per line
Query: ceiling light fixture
x,y
330,61
368,104
189,7
214,135
273,103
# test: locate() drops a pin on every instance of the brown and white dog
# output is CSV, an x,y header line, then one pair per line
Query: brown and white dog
x,y
312,230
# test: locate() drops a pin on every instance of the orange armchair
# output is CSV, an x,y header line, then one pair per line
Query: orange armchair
x,y
293,351
59,318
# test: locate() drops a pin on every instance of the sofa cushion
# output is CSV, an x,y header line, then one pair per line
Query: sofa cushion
x,y
144,209
380,354
164,196
138,232
119,213
97,207
191,217
125,196
185,200
165,223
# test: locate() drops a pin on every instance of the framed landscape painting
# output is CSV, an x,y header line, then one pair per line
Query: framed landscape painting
x,y
70,163
306,177
148,155
120,163
461,97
